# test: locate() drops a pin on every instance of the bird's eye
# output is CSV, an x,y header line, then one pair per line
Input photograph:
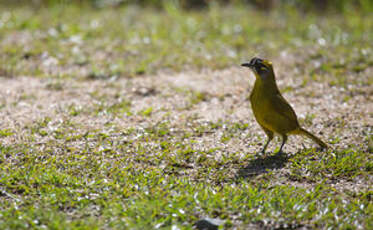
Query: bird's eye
x,y
261,68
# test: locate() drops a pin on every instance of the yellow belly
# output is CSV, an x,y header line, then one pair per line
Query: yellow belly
x,y
273,116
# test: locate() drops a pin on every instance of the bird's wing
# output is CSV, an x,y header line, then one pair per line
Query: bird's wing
x,y
283,107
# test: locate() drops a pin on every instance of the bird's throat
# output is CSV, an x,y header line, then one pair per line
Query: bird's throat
x,y
265,84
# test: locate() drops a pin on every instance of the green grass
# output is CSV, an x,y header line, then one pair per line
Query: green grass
x,y
59,174
156,179
69,37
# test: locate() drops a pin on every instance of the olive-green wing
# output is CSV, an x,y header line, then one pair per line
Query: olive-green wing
x,y
284,108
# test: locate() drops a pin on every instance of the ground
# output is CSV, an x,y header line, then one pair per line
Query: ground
x,y
91,141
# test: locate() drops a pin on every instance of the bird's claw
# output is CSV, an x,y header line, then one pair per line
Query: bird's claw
x,y
280,153
262,153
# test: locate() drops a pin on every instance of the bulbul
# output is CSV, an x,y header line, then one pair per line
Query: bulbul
x,y
273,113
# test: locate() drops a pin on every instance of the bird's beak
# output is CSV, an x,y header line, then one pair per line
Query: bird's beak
x,y
246,64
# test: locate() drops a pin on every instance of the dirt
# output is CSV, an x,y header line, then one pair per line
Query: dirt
x,y
26,100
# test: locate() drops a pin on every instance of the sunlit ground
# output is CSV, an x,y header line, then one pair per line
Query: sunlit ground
x,y
137,118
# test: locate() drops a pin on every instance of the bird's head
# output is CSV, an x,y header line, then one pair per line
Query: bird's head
x,y
260,67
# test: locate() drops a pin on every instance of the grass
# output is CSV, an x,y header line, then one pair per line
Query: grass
x,y
141,44
154,179
97,131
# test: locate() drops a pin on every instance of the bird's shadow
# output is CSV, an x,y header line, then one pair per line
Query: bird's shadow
x,y
262,165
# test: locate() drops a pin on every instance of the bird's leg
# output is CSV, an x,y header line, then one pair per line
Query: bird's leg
x,y
265,146
270,137
284,139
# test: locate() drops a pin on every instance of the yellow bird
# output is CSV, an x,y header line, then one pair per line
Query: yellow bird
x,y
271,110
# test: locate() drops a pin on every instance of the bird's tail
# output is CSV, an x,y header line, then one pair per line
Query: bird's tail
x,y
304,132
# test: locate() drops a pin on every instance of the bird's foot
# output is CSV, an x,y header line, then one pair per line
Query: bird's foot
x,y
280,153
262,153
320,149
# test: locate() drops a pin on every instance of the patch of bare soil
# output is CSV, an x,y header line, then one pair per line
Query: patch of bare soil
x,y
336,114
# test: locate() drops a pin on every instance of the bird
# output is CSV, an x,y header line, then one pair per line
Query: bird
x,y
273,113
